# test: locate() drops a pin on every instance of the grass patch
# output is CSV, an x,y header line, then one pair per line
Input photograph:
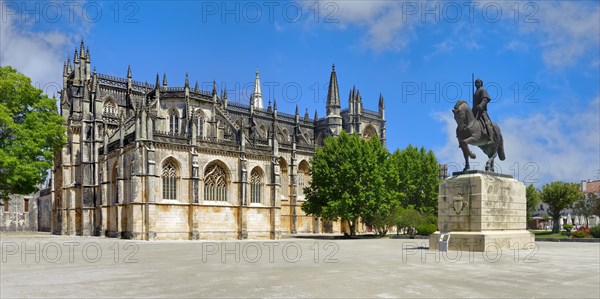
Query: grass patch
x,y
549,234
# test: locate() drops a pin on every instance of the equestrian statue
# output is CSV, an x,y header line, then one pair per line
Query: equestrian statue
x,y
475,127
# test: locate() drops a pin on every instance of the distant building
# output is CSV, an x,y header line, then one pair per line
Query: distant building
x,y
590,186
26,212
569,215
166,162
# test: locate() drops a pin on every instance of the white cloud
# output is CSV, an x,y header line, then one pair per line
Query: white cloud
x,y
565,31
559,143
35,52
386,27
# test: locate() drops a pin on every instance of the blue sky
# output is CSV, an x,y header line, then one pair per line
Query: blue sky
x,y
539,61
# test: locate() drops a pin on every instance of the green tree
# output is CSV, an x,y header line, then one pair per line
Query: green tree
x,y
533,200
30,132
383,221
408,219
586,206
351,179
418,173
559,196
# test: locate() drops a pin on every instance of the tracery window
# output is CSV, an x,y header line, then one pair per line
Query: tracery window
x,y
215,183
369,132
173,122
303,177
255,186
285,180
110,107
169,177
114,185
200,123
200,126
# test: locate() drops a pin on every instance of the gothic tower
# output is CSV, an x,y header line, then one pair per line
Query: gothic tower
x,y
333,117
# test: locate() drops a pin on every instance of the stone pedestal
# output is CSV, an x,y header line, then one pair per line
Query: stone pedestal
x,y
482,211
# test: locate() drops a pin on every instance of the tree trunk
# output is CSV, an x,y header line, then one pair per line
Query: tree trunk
x,y
556,224
587,221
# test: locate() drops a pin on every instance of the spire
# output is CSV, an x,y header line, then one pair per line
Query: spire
x,y
333,94
316,116
306,117
187,80
297,110
87,54
214,90
196,88
274,104
269,108
69,69
157,82
94,81
257,100
224,97
128,71
82,49
381,107
75,57
165,80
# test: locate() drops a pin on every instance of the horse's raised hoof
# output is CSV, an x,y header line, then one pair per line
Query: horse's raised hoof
x,y
472,155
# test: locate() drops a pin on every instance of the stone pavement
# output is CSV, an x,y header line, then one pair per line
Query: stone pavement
x,y
42,265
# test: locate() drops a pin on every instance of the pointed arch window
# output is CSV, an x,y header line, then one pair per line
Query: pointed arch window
x,y
173,121
369,132
109,107
114,185
169,180
256,183
200,126
285,180
303,177
215,183
199,123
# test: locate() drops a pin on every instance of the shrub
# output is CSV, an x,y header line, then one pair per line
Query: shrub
x,y
595,231
582,232
568,226
426,229
408,219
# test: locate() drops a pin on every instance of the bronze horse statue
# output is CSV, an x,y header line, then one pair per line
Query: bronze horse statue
x,y
469,130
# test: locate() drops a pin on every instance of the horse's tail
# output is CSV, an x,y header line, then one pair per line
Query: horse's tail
x,y
501,154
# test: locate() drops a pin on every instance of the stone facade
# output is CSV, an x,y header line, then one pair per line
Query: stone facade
x,y
482,212
19,213
160,162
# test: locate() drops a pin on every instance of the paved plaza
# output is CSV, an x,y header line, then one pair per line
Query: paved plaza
x,y
43,265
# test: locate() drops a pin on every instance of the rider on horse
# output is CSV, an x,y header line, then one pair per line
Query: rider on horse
x,y
480,101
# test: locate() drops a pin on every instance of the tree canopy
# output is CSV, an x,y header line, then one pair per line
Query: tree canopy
x,y
533,198
354,178
30,132
351,179
587,206
559,196
418,180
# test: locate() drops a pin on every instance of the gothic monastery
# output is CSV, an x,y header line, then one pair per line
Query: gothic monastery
x,y
156,162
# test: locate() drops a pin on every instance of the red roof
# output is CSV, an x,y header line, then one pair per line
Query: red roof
x,y
592,187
